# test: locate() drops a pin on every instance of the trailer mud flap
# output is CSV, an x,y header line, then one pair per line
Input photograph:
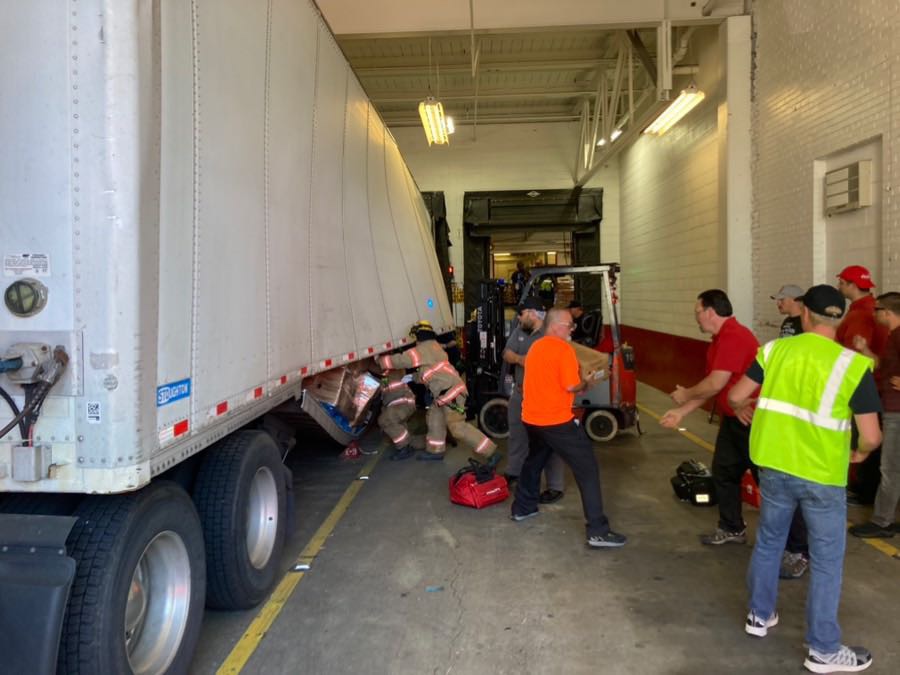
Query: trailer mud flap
x,y
35,578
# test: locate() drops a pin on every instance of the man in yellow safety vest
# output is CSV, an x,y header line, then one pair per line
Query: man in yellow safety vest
x,y
800,440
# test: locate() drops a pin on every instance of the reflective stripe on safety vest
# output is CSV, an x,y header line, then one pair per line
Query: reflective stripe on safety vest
x,y
816,419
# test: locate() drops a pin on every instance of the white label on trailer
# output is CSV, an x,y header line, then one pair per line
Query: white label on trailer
x,y
93,412
26,264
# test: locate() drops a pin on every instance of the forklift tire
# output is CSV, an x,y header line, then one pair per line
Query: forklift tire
x,y
492,418
601,425
240,494
136,602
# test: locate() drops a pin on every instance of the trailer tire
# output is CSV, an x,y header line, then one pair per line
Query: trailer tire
x,y
601,425
135,555
241,496
493,419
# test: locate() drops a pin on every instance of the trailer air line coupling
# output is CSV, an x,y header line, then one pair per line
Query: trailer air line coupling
x,y
46,373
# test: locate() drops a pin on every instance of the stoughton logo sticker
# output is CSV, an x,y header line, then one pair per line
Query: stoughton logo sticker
x,y
174,391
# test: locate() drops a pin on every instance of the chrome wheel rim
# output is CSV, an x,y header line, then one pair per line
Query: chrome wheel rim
x,y
262,517
159,601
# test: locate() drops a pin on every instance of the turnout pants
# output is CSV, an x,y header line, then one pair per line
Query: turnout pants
x,y
392,421
574,447
517,447
440,418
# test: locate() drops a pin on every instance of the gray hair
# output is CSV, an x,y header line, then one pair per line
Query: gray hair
x,y
822,320
558,315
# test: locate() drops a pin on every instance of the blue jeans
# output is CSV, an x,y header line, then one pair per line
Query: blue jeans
x,y
825,511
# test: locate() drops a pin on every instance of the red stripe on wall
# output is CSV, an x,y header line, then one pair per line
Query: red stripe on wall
x,y
664,360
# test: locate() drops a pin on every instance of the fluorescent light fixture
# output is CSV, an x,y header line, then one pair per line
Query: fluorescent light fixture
x,y
502,255
615,134
551,252
601,142
437,127
681,106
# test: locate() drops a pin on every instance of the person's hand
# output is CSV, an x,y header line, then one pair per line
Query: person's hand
x,y
856,456
578,388
671,419
860,344
679,396
895,382
744,412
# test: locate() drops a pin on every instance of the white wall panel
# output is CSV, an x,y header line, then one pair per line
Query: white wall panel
x,y
368,315
231,255
395,285
327,264
290,136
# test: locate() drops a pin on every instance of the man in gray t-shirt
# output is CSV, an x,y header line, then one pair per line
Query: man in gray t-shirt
x,y
525,334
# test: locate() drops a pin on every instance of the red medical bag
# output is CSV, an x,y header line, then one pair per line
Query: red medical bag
x,y
477,485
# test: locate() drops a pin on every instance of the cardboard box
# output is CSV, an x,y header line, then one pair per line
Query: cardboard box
x,y
594,365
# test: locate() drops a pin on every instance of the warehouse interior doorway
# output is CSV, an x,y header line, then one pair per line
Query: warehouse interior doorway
x,y
536,227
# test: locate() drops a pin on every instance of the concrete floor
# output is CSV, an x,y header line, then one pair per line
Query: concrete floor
x,y
531,597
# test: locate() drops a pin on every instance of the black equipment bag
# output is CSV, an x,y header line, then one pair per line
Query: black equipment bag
x,y
693,483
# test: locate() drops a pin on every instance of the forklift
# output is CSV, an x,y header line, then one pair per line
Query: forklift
x,y
604,408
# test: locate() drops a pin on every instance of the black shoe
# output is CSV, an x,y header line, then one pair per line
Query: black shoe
x,y
426,456
510,479
401,453
518,517
609,540
871,531
550,496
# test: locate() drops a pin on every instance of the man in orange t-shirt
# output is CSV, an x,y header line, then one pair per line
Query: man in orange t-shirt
x,y
552,377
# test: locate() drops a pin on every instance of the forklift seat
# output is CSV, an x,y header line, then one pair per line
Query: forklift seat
x,y
590,325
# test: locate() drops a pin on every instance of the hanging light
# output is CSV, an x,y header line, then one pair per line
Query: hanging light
x,y
681,106
437,127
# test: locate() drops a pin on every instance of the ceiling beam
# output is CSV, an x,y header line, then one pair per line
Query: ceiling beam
x,y
495,95
527,65
407,121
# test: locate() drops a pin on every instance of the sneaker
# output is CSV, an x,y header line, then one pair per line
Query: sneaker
x,y
519,517
871,530
721,536
609,540
793,565
758,626
844,660
550,496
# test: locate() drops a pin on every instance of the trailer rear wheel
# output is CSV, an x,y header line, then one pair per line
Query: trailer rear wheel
x,y
240,494
492,418
136,603
601,425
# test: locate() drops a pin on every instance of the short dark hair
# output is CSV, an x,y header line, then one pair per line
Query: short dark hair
x,y
890,301
718,300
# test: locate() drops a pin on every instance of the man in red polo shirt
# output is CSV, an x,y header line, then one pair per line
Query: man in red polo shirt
x,y
732,350
855,284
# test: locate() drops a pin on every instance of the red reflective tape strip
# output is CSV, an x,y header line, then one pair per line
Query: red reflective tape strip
x,y
328,363
371,350
351,356
388,345
258,392
304,370
180,427
283,379
222,408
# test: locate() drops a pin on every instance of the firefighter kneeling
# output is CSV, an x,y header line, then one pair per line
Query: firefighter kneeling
x,y
398,405
447,411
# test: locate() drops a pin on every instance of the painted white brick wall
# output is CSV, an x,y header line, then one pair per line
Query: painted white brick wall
x,y
827,87
670,231
505,157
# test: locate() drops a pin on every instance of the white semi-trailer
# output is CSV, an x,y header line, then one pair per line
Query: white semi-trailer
x,y
199,210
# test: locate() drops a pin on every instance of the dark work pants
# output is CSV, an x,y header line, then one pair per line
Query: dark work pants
x,y
574,447
730,461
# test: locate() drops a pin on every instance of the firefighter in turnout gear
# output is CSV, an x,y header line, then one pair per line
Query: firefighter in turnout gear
x,y
398,404
447,410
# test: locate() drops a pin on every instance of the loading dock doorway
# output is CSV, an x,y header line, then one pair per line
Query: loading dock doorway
x,y
548,227
440,233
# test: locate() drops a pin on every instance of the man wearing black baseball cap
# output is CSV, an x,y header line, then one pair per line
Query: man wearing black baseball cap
x,y
811,388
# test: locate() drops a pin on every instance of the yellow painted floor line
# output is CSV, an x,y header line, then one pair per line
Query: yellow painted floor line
x,y
260,625
878,544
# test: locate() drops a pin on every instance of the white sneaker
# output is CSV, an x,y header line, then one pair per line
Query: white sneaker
x,y
845,660
758,626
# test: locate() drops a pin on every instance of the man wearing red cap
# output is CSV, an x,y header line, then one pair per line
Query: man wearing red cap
x,y
855,284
